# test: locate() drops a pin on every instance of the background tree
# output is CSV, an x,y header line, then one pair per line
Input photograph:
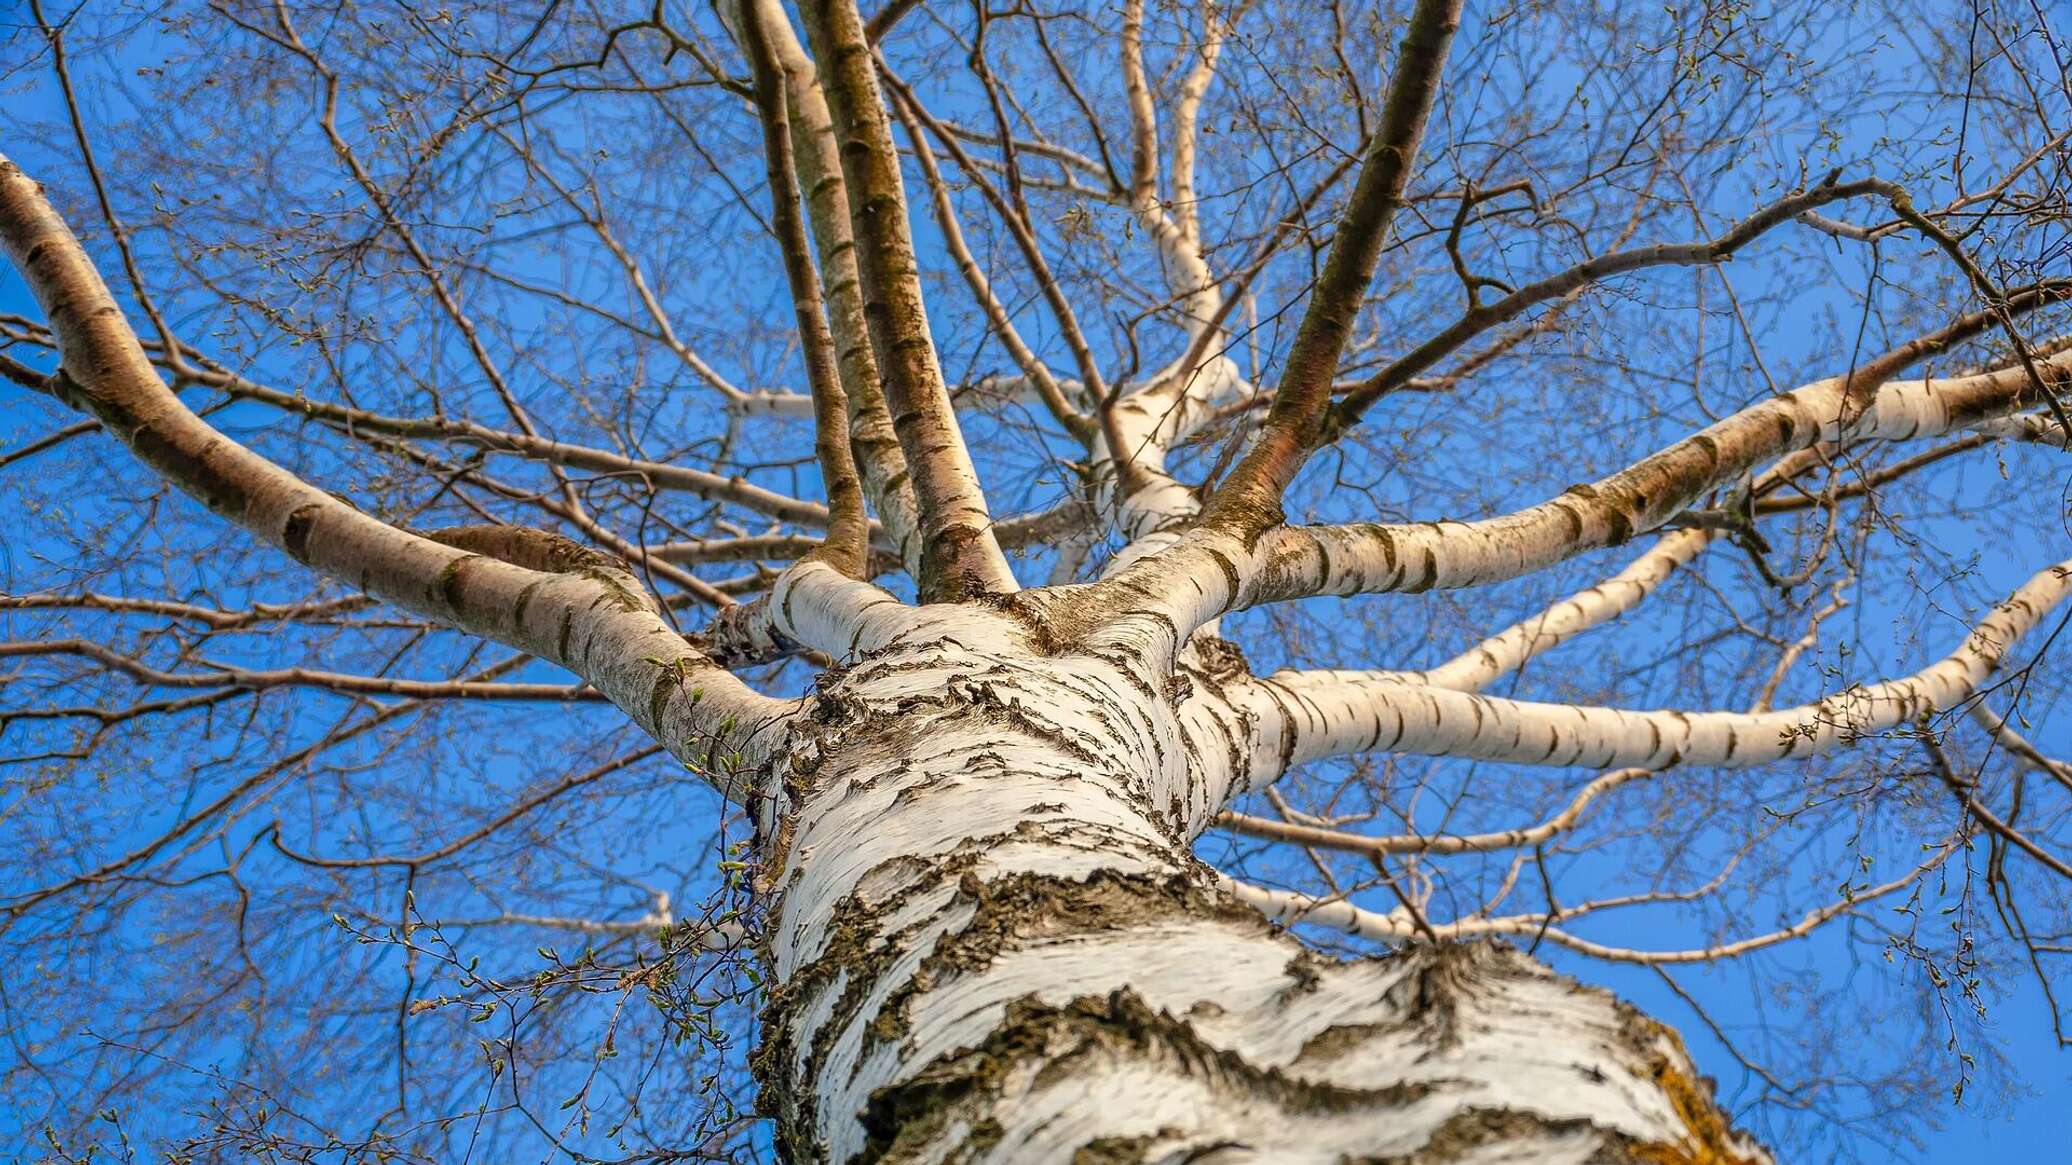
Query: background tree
x,y
953,476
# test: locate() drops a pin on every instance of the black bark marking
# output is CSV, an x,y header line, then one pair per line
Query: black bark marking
x,y
1431,572
196,470
1621,524
451,583
1710,448
666,685
1229,569
524,601
295,533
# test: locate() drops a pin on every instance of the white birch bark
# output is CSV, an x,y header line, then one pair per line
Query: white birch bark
x,y
1230,572
1333,713
991,943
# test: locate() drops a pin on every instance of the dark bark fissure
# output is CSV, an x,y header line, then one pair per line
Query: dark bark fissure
x,y
916,937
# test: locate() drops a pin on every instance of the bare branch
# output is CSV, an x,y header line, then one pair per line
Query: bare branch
x,y
1291,908
593,620
958,554
251,679
847,547
1332,714
1249,500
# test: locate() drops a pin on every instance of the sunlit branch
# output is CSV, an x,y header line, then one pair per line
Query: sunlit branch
x,y
958,554
1524,837
887,479
1334,714
847,546
593,618
1504,652
1175,226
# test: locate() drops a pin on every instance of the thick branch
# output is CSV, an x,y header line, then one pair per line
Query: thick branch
x,y
847,547
1325,713
817,157
593,620
1223,573
959,556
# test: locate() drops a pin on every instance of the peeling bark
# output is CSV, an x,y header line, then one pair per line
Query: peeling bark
x,y
990,942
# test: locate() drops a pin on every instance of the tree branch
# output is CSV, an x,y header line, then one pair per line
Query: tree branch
x,y
593,620
847,547
959,556
1310,715
817,157
1249,500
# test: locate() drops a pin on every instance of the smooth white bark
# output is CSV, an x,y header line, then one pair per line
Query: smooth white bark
x,y
1327,713
1509,649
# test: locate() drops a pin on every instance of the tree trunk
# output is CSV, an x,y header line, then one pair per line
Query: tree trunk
x,y
990,942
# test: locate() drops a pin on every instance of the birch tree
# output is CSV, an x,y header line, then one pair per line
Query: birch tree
x,y
1134,556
